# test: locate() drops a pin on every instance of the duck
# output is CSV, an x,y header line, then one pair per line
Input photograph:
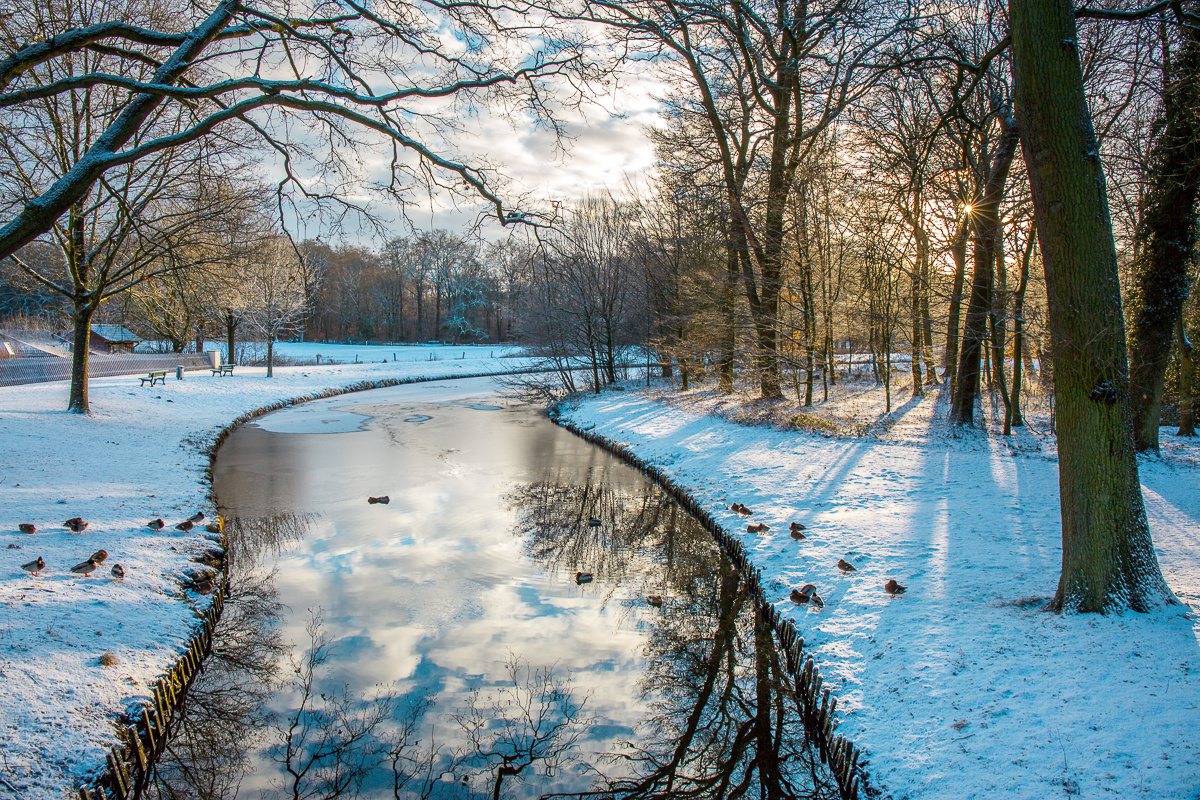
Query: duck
x,y
185,526
35,566
799,596
84,568
156,524
76,524
893,588
846,566
814,598
796,526
382,499
759,528
99,556
118,571
797,535
199,515
583,577
736,507
655,600
27,527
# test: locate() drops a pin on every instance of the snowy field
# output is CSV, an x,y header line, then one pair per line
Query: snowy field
x,y
139,457
962,687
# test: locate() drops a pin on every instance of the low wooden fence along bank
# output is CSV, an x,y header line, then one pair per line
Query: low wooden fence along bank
x,y
814,701
131,764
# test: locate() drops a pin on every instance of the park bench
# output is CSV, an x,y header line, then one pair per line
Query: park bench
x,y
223,369
160,377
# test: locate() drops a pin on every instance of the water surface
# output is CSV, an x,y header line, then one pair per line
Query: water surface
x,y
439,645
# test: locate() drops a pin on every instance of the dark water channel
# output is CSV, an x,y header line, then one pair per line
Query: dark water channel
x,y
439,645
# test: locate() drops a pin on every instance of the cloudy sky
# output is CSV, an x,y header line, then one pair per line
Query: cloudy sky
x,y
606,149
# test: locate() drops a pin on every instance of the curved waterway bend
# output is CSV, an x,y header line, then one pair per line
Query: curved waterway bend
x,y
440,645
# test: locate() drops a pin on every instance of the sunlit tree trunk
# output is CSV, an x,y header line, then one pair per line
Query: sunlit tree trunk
x,y
985,223
1013,418
1108,561
958,251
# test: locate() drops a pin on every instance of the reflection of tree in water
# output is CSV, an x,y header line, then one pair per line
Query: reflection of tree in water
x,y
725,722
208,753
636,530
334,741
250,538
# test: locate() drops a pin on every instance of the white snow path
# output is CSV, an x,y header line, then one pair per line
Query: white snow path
x,y
957,689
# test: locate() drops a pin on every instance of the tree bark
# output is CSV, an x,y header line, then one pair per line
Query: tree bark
x,y
1013,418
81,318
958,252
727,308
1168,234
985,221
1187,405
1108,561
230,330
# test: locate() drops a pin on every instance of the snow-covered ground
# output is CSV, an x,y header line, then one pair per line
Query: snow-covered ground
x,y
960,688
137,458
963,687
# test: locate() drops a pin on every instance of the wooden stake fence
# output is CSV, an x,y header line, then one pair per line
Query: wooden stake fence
x,y
131,764
814,702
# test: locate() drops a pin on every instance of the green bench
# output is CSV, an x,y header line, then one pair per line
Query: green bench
x,y
155,377
223,369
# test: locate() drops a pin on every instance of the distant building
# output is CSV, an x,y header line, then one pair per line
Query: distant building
x,y
113,339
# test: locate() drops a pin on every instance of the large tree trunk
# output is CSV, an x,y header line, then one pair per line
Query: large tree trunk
x,y
985,221
81,340
231,324
1108,561
727,308
1168,234
270,356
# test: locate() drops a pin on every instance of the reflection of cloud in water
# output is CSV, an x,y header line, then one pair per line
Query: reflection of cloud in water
x,y
472,563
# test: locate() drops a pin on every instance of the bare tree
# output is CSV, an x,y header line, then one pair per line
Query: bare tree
x,y
314,85
1168,232
125,226
766,79
1109,561
273,292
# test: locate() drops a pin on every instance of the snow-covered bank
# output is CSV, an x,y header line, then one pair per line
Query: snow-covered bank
x,y
139,457
962,687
